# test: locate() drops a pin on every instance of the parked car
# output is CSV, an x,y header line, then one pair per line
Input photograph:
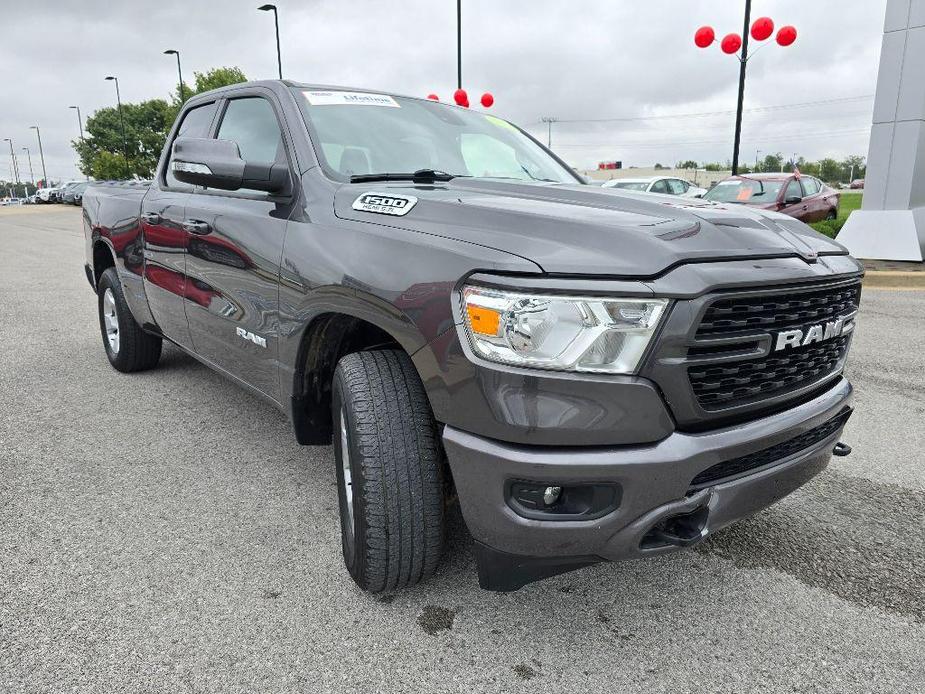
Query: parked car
x,y
591,376
804,197
658,184
64,189
857,184
9,202
73,195
46,195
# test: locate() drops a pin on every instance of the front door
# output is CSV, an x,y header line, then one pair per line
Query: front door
x,y
166,241
234,253
794,209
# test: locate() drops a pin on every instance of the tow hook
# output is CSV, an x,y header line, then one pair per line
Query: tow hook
x,y
841,449
682,530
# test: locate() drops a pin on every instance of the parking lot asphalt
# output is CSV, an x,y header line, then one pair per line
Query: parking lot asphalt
x,y
163,532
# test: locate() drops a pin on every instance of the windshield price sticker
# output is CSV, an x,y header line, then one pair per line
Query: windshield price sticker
x,y
329,98
385,203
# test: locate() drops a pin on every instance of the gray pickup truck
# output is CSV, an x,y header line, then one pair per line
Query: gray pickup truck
x,y
591,374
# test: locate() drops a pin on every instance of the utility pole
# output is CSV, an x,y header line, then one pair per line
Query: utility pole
x,y
743,60
38,134
29,155
80,126
279,60
757,152
549,120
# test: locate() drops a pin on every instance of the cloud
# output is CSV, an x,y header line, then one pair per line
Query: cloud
x,y
573,59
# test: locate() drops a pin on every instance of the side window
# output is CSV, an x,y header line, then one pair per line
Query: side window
x,y
251,122
195,123
676,187
810,185
660,186
793,189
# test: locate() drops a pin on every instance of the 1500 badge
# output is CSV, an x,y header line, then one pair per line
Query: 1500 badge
x,y
385,203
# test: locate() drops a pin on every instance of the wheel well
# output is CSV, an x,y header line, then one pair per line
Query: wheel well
x,y
102,261
328,338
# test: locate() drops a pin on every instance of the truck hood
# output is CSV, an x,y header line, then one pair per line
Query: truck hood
x,y
583,229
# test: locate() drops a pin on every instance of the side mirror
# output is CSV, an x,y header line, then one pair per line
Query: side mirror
x,y
218,164
792,200
699,195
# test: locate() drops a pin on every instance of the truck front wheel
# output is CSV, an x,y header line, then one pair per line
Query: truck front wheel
x,y
389,471
128,347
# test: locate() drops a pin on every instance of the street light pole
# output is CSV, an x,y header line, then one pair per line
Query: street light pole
x,y
179,72
80,126
743,60
279,59
13,160
38,134
121,124
29,156
757,152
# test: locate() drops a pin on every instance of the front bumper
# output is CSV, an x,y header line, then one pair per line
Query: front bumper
x,y
655,483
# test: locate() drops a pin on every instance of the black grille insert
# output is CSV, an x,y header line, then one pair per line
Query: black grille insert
x,y
774,312
768,456
730,384
719,383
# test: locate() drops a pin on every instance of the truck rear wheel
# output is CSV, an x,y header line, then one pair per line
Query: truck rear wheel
x,y
128,347
389,471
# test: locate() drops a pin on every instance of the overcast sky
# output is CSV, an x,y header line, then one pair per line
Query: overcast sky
x,y
576,60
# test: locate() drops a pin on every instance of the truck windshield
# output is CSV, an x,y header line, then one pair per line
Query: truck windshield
x,y
360,133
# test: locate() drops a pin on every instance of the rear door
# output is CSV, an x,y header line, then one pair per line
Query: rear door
x,y
165,240
235,247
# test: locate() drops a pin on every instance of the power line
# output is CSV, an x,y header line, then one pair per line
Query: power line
x,y
672,143
707,114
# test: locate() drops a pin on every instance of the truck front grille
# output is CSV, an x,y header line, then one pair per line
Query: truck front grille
x,y
735,383
737,467
744,323
776,312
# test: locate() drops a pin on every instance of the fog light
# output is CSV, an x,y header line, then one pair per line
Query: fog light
x,y
551,495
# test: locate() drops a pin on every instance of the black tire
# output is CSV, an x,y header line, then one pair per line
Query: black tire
x,y
135,349
394,536
831,215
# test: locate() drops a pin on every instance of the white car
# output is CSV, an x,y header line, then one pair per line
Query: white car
x,y
45,195
667,185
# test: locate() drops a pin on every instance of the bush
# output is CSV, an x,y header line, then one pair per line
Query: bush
x,y
829,227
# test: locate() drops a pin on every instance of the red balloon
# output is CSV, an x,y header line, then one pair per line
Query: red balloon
x,y
459,96
786,35
433,97
465,104
487,99
762,28
731,43
704,36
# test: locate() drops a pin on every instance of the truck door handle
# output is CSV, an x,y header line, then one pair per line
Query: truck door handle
x,y
195,226
151,217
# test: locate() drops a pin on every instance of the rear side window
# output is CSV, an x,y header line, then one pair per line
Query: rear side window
x,y
677,186
195,123
660,186
810,185
251,122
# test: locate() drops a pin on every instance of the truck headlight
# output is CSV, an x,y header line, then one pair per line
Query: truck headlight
x,y
598,335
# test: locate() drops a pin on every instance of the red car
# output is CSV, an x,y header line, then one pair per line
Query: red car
x,y
804,197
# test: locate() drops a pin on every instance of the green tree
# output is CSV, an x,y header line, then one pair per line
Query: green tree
x,y
829,170
772,162
688,164
853,167
147,125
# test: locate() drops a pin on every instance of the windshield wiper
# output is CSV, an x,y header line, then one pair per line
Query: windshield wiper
x,y
419,176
